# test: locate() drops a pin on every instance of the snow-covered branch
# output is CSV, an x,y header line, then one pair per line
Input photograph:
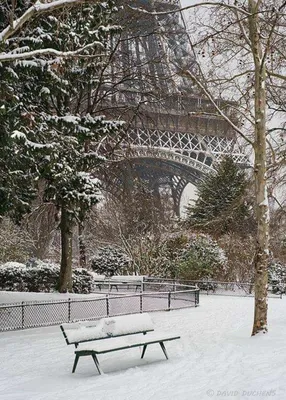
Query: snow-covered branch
x,y
35,10
4,57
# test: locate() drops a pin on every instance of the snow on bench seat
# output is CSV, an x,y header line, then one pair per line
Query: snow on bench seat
x,y
84,331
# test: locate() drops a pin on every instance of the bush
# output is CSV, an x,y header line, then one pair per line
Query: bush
x,y
201,258
277,277
81,281
37,276
189,257
109,261
16,244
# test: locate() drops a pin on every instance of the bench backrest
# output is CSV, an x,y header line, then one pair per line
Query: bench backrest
x,y
85,331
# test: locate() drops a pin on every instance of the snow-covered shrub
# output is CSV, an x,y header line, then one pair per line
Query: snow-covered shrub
x,y
201,258
81,281
277,277
187,256
109,261
38,276
16,244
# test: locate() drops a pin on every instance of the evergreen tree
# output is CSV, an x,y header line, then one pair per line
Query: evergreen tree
x,y
18,173
54,120
222,206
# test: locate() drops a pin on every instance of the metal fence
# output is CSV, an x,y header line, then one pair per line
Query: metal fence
x,y
37,314
210,287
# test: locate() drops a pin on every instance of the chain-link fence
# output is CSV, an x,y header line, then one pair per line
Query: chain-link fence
x,y
36,314
211,287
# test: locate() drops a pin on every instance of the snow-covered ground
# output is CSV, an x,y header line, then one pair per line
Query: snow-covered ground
x,y
14,297
215,358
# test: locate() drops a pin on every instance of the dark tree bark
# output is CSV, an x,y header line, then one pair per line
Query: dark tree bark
x,y
82,247
65,281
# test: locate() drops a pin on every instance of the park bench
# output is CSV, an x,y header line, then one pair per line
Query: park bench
x,y
123,332
117,282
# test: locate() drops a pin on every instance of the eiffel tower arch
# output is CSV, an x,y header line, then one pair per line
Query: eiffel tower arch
x,y
173,136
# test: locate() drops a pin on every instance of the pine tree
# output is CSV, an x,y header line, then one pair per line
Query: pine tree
x,y
54,119
18,172
222,204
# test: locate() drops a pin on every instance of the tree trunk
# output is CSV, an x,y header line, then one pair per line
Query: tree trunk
x,y
260,164
65,281
82,247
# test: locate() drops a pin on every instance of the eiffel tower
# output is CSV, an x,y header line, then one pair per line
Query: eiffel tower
x,y
172,137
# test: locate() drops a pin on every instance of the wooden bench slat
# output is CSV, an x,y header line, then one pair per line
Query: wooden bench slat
x,y
125,343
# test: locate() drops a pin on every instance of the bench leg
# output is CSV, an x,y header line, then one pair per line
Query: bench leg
x,y
95,359
164,350
75,363
143,351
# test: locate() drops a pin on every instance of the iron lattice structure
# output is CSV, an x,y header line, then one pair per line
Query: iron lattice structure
x,y
173,134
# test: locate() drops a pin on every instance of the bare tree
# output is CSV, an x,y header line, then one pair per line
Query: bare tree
x,y
239,51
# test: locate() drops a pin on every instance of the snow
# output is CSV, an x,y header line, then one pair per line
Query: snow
x,y
107,327
7,297
18,135
215,358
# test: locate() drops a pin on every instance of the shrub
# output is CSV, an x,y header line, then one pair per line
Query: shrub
x,y
201,258
16,244
109,261
277,276
38,276
188,256
82,281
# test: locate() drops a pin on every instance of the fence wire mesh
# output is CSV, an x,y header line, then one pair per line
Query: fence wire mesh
x,y
38,314
211,287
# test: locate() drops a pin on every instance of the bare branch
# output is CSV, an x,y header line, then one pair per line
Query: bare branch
x,y
276,75
212,100
205,3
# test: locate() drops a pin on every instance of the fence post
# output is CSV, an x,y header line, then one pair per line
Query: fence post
x,y
107,305
169,301
23,315
69,310
141,302
197,298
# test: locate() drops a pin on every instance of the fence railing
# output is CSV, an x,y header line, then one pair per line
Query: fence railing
x,y
34,314
210,287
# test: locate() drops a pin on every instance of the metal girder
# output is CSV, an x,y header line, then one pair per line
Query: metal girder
x,y
173,136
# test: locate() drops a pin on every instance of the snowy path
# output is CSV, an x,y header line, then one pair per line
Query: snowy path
x,y
216,358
